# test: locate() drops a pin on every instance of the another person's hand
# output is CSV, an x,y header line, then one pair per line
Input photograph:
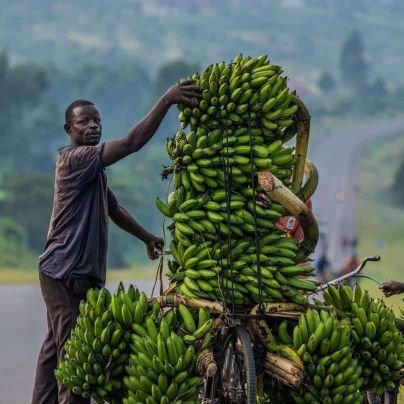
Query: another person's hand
x,y
391,288
154,247
186,92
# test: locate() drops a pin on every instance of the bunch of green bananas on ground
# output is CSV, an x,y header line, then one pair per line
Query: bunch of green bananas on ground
x,y
125,349
332,374
97,349
379,346
162,365
248,91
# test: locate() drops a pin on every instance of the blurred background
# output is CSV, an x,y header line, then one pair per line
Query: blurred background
x,y
343,57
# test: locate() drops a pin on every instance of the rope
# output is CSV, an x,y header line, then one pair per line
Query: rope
x,y
227,185
159,276
261,307
160,267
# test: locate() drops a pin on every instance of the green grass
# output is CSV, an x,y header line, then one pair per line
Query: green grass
x,y
380,224
10,276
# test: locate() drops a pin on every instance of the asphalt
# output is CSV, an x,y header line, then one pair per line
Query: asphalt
x,y
334,202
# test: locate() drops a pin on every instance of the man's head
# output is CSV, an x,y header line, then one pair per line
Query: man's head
x,y
83,123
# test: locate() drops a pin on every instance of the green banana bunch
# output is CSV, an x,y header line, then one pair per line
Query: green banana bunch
x,y
240,127
97,350
125,349
378,344
248,91
205,272
332,373
161,367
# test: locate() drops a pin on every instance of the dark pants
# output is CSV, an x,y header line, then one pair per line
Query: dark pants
x,y
62,298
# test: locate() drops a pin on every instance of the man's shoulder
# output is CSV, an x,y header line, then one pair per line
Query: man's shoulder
x,y
79,153
77,150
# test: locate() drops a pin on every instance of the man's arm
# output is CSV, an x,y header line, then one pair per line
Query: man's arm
x,y
122,218
142,132
391,288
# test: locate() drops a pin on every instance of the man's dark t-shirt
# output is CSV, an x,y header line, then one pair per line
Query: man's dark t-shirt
x,y
77,239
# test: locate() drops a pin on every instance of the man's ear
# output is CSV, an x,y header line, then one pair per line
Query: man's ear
x,y
67,128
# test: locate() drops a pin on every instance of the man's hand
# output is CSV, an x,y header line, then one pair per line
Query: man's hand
x,y
185,92
155,247
391,288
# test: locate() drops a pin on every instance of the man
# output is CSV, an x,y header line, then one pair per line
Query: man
x,y
74,258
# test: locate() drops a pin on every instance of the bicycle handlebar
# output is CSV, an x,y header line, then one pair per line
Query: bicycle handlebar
x,y
349,275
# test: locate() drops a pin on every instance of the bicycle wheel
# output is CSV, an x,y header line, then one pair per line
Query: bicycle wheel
x,y
238,377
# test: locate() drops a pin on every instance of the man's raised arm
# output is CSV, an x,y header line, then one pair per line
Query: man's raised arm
x,y
142,132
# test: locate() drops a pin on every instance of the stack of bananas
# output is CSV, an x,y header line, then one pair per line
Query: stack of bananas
x,y
249,91
332,375
97,349
201,272
125,349
239,128
161,367
378,344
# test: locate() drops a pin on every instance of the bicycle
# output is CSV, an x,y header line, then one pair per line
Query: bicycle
x,y
238,362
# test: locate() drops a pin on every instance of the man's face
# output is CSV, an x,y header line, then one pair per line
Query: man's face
x,y
85,127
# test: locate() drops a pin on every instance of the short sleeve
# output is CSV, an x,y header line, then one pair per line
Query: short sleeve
x,y
86,162
112,201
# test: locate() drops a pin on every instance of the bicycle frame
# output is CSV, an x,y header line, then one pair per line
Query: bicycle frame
x,y
356,271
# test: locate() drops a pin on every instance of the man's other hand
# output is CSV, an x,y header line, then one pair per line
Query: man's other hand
x,y
155,247
391,288
186,92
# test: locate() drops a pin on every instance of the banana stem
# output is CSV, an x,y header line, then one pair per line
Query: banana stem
x,y
270,308
283,376
311,183
193,303
284,364
302,142
278,192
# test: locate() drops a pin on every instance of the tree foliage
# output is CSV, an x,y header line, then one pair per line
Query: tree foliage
x,y
397,189
354,67
326,82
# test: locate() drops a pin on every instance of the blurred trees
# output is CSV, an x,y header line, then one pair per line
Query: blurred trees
x,y
22,87
32,104
354,68
14,251
326,82
397,189
33,99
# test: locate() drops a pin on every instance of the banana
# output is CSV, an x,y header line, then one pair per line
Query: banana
x,y
187,318
204,329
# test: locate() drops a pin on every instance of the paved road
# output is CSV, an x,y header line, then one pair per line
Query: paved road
x,y
23,326
336,159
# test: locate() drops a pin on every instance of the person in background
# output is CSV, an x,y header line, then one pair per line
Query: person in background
x,y
322,266
74,257
351,263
